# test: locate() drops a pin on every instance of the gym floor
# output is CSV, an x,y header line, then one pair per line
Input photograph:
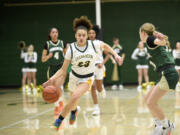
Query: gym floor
x,y
122,113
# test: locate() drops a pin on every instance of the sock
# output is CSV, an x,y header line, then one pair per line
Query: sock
x,y
96,106
61,117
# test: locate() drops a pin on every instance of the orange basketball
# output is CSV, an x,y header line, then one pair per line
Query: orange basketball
x,y
51,94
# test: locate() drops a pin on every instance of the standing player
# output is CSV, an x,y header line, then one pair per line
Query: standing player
x,y
176,55
99,71
53,53
30,60
140,54
82,55
120,51
163,62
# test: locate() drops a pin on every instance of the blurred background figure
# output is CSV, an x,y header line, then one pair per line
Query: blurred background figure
x,y
140,54
31,60
176,55
22,46
118,81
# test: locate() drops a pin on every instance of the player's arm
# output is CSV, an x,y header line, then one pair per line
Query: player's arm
x,y
108,49
134,55
45,56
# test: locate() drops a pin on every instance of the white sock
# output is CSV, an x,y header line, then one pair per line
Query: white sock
x,y
96,106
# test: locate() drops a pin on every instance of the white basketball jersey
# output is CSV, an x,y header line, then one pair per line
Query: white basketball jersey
x,y
83,61
100,58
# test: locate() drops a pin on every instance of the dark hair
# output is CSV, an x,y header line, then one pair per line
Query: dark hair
x,y
115,38
49,37
82,23
96,29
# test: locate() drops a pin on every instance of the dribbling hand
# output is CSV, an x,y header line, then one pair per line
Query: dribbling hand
x,y
47,83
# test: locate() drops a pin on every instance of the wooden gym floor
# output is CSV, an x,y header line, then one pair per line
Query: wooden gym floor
x,y
122,113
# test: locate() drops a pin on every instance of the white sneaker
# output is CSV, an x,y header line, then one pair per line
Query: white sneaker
x,y
148,88
160,130
34,91
24,89
121,87
29,91
114,87
139,88
96,111
103,93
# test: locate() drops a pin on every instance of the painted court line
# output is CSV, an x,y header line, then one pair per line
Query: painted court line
x,y
21,121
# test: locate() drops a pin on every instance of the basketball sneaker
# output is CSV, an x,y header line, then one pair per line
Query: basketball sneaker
x,y
57,124
73,115
96,111
160,130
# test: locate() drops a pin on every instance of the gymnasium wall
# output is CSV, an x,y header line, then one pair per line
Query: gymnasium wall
x,y
31,24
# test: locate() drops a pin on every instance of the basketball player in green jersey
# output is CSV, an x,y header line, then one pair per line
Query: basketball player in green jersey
x,y
53,53
140,54
163,62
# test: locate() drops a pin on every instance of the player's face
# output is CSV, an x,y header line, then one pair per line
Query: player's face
x,y
54,34
92,35
81,36
116,42
31,48
178,45
141,45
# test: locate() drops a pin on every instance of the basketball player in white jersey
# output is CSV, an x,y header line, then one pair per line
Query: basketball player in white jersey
x,y
82,55
99,73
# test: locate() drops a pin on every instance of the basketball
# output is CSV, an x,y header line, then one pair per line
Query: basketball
x,y
51,94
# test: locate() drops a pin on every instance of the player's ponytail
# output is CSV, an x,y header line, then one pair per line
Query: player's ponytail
x,y
150,29
82,23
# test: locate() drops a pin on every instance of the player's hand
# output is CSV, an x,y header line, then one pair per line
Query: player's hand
x,y
50,55
100,65
119,60
47,83
159,35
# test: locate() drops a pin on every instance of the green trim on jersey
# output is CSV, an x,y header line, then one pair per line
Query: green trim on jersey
x,y
75,45
160,56
58,52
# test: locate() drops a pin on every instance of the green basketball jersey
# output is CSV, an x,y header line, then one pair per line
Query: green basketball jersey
x,y
57,51
160,56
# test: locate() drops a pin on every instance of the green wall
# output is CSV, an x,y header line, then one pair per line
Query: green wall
x,y
31,24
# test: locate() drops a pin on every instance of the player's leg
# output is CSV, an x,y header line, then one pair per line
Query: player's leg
x,y
24,78
34,83
145,73
96,109
120,73
72,103
140,73
29,82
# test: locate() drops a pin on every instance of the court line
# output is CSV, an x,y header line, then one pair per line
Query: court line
x,y
18,122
